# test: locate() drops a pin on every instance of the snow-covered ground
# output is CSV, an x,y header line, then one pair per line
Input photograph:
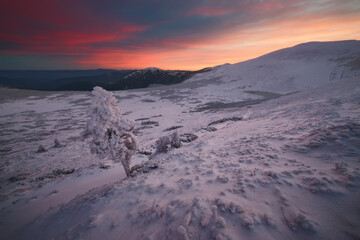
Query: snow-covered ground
x,y
277,156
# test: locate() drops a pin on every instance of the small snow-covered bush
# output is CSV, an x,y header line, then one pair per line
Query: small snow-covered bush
x,y
164,142
111,134
175,140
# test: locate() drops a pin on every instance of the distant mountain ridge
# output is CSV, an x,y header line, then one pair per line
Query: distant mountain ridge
x,y
86,80
53,79
52,74
296,68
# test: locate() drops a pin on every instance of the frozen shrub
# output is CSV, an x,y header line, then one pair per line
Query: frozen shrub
x,y
164,142
111,134
175,140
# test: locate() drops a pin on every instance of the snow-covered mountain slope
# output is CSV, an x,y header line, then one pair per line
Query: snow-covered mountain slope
x,y
266,164
292,69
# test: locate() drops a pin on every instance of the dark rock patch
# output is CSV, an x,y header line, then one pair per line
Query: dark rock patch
x,y
5,150
172,128
146,123
41,149
104,166
19,177
145,152
57,144
188,137
141,119
233,119
210,129
56,173
148,100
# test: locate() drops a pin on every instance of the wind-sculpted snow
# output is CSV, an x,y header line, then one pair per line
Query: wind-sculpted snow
x,y
285,168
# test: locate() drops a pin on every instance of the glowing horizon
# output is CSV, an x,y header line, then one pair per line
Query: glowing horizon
x,y
165,34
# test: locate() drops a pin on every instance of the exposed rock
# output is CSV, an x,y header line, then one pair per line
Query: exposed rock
x,y
5,150
104,166
143,168
145,123
41,149
188,137
234,119
56,173
172,128
145,152
19,177
63,171
142,119
222,179
57,144
211,129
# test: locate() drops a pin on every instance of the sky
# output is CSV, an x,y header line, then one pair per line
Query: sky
x,y
169,34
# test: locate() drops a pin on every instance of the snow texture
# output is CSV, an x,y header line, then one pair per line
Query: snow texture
x,y
280,159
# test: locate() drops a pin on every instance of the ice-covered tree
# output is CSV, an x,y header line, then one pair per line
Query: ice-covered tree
x,y
111,134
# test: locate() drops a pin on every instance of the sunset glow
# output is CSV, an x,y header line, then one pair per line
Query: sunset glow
x,y
50,34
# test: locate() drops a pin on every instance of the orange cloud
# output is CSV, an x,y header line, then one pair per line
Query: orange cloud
x,y
192,35
241,45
